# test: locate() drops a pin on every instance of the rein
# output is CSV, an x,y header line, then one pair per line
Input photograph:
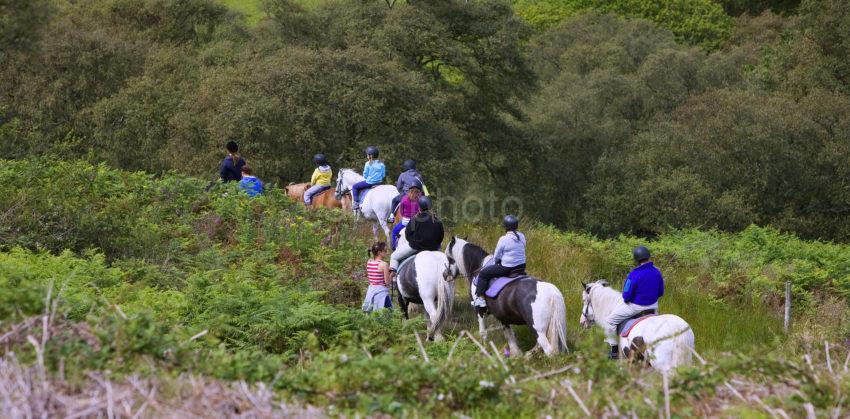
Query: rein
x,y
588,308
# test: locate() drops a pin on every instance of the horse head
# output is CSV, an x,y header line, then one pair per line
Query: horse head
x,y
340,188
588,317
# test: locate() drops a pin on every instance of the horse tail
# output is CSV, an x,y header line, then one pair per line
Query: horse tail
x,y
556,330
444,298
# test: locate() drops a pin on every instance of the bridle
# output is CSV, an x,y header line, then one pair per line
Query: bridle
x,y
339,180
587,311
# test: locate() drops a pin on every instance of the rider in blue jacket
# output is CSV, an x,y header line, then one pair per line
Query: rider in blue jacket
x,y
644,286
373,173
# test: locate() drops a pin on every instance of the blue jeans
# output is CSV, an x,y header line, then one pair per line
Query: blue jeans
x,y
397,230
357,188
310,193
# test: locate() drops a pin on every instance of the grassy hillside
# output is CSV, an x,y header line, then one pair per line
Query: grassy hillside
x,y
153,277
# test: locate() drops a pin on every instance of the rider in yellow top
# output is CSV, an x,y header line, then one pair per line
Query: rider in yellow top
x,y
321,179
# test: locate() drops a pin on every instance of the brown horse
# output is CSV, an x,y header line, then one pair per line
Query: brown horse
x,y
323,199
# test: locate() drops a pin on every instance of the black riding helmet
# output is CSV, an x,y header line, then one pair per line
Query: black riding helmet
x,y
232,146
640,253
372,151
409,165
511,223
424,203
320,159
416,185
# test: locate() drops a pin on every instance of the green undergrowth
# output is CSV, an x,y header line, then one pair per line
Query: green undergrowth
x,y
154,275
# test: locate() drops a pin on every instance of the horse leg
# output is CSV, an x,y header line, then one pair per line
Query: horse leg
x,y
482,327
382,220
403,305
544,342
431,310
375,231
511,338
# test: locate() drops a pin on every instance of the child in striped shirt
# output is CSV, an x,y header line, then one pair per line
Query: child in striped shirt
x,y
378,272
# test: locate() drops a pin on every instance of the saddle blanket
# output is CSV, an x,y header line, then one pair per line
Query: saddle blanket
x,y
496,284
626,327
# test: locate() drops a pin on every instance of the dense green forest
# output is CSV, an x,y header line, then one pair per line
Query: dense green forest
x,y
632,116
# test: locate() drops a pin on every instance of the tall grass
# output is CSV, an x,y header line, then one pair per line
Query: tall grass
x,y
567,260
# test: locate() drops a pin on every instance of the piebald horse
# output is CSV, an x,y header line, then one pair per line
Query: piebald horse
x,y
428,280
325,198
666,341
377,204
527,300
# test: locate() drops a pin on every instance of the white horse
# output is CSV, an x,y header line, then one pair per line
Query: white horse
x,y
666,341
528,300
377,204
428,280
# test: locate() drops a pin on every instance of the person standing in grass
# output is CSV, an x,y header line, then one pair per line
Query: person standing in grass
x,y
250,184
231,166
378,273
644,286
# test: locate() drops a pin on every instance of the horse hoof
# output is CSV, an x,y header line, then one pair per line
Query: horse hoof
x,y
438,338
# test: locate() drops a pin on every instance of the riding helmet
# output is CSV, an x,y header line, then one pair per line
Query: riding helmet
x,y
320,159
416,184
640,253
232,147
511,223
424,203
372,151
409,165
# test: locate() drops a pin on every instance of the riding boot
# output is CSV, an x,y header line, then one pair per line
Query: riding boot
x,y
615,352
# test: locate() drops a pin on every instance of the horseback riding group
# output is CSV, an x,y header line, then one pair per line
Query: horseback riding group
x,y
499,283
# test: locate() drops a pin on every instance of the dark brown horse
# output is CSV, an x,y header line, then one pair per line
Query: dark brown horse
x,y
526,300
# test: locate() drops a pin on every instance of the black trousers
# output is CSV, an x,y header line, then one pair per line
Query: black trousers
x,y
494,271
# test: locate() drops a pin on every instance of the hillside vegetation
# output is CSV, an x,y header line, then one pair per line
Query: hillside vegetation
x,y
153,277
631,116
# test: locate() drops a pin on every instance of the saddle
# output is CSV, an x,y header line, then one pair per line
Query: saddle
x,y
624,328
498,284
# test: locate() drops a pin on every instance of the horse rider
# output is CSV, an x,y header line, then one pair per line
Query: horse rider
x,y
409,177
373,174
509,258
409,208
321,179
423,232
644,286
231,165
249,183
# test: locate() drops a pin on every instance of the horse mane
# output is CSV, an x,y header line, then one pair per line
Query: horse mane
x,y
604,298
473,258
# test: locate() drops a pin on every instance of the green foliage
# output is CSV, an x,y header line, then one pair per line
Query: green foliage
x,y
248,294
695,22
594,103
725,160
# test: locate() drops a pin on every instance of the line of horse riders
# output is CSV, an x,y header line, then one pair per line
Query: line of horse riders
x,y
424,274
